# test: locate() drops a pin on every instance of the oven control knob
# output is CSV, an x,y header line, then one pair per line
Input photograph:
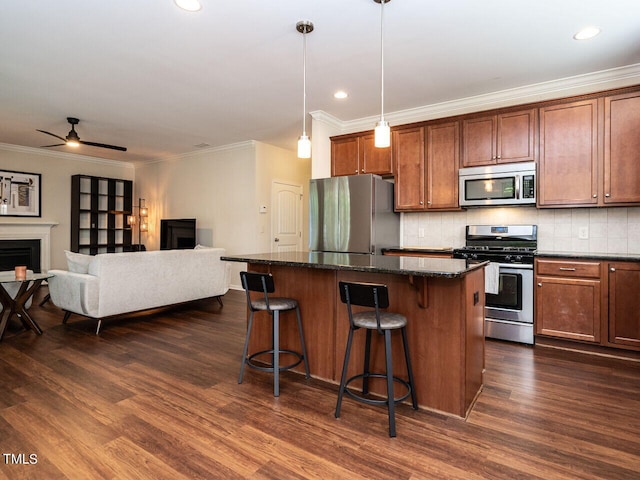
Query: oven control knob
x,y
474,256
507,258
518,258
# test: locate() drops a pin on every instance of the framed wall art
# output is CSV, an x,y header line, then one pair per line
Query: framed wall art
x,y
19,194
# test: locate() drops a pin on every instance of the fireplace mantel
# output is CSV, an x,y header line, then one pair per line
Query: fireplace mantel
x,y
17,230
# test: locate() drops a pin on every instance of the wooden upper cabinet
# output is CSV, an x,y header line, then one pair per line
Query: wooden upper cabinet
x,y
624,315
426,167
568,165
622,149
443,158
479,141
358,154
344,156
501,138
408,155
372,159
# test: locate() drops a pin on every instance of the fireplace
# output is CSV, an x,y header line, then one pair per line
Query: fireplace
x,y
20,252
20,231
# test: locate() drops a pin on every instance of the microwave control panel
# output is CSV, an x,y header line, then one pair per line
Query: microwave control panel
x,y
528,186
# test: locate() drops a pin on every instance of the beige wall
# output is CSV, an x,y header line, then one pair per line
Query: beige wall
x,y
222,188
56,170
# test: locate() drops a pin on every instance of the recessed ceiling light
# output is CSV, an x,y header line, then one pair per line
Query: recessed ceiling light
x,y
587,33
340,94
189,5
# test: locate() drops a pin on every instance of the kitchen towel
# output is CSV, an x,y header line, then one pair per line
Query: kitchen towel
x,y
491,278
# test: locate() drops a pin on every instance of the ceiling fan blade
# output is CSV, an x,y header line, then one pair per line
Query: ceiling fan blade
x,y
52,134
102,145
56,145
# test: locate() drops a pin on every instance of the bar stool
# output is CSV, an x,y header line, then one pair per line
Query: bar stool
x,y
263,282
377,297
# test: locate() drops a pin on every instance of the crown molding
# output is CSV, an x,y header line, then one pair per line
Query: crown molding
x,y
63,155
579,84
198,153
327,119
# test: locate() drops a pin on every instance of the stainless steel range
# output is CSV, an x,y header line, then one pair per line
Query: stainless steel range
x,y
509,312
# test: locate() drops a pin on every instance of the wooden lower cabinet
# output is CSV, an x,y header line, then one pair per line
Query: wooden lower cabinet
x,y
568,308
568,299
624,312
588,301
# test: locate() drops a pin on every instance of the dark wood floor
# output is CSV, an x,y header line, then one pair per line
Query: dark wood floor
x,y
156,396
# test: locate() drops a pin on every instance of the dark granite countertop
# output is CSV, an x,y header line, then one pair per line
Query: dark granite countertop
x,y
418,249
616,257
419,266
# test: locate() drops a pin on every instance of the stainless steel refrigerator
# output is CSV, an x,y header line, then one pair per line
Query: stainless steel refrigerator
x,y
352,214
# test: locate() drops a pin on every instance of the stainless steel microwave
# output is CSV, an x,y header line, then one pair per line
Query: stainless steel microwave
x,y
507,184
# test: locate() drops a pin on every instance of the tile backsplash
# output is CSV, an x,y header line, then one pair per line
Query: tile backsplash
x,y
594,230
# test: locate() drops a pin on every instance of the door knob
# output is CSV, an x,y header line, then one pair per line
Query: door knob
x,y
276,239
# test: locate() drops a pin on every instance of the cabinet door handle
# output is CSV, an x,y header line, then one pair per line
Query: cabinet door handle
x,y
539,284
567,269
595,195
607,195
421,202
362,171
499,157
613,269
356,172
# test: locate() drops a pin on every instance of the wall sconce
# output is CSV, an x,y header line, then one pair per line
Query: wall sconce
x,y
142,221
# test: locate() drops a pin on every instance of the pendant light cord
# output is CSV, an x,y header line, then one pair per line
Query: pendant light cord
x,y
382,2
304,82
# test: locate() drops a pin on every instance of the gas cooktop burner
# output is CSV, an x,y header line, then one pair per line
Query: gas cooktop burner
x,y
497,249
503,243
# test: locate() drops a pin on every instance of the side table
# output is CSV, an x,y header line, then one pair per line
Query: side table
x,y
11,306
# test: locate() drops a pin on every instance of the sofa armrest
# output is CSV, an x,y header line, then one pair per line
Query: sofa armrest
x,y
75,292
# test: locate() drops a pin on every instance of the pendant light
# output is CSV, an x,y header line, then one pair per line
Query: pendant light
x,y
382,137
304,143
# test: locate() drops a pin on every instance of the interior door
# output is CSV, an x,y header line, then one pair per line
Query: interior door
x,y
286,217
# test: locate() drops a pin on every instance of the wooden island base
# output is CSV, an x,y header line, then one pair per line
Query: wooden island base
x,y
445,330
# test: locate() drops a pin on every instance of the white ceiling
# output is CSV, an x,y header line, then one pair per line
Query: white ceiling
x,y
158,80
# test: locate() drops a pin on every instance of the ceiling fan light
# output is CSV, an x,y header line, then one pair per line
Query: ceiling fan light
x,y
304,147
189,5
73,143
382,136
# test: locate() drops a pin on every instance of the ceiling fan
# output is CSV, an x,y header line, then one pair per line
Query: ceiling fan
x,y
73,140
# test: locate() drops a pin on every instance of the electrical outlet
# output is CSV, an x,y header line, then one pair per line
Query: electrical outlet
x,y
583,233
421,233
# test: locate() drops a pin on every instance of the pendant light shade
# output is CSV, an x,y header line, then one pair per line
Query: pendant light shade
x,y
304,143
304,147
382,138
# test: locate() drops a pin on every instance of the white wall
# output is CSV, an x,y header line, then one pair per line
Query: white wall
x,y
56,169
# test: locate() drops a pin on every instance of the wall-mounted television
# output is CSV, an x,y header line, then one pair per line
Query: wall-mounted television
x,y
177,233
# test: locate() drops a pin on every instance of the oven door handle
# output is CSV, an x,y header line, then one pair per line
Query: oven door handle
x,y
515,266
517,181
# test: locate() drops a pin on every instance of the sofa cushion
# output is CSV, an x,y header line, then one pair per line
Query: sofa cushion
x,y
78,262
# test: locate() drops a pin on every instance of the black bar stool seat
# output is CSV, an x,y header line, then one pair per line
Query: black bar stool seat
x,y
375,296
263,282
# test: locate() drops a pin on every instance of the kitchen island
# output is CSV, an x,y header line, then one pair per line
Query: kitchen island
x,y
443,300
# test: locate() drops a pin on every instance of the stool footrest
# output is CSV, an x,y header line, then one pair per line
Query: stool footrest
x,y
360,396
269,368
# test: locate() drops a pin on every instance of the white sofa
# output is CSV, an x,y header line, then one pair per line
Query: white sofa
x,y
110,284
